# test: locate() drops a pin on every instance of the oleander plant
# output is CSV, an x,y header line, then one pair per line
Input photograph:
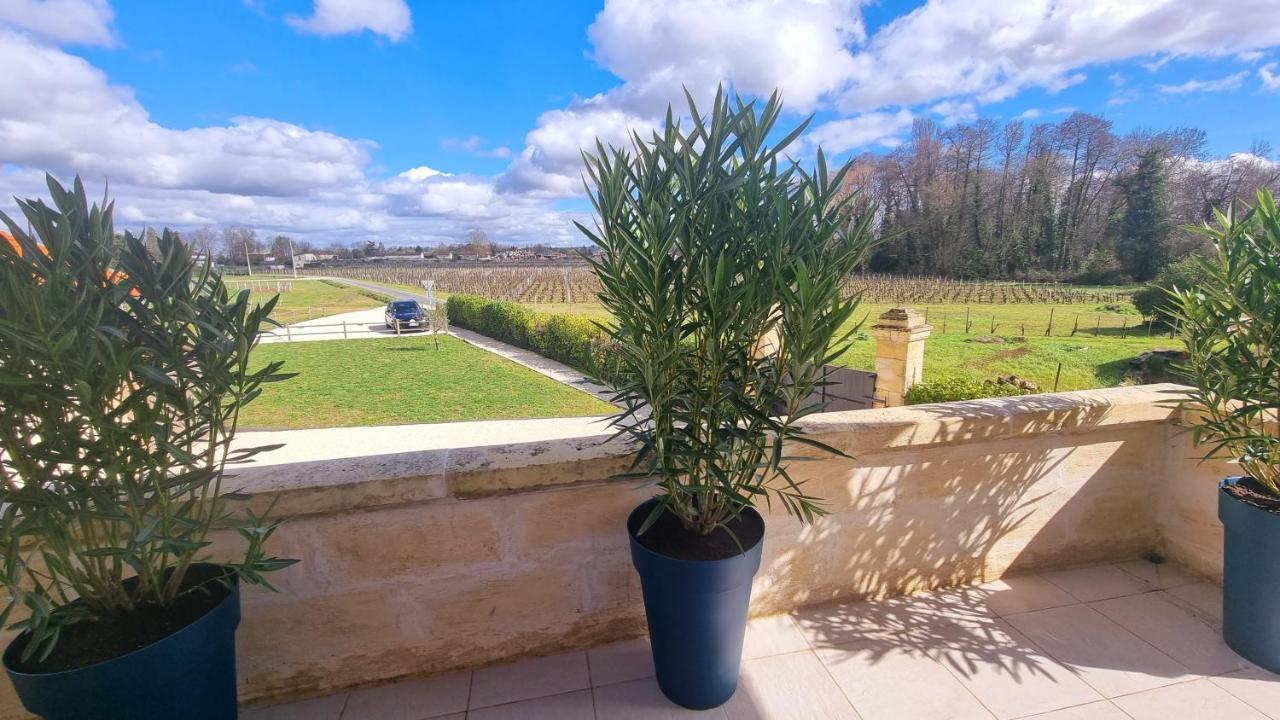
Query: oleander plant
x,y
123,371
1230,322
721,266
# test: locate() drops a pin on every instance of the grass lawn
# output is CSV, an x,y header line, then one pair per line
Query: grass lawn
x,y
315,298
344,383
1087,361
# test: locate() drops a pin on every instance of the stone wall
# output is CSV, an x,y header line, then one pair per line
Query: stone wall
x,y
418,558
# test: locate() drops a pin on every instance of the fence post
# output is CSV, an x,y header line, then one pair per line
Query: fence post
x,y
288,334
900,334
344,329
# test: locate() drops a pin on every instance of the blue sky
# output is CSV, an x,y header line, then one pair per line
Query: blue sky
x,y
339,121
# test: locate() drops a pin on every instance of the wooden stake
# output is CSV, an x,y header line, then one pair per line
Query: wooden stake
x,y
1056,377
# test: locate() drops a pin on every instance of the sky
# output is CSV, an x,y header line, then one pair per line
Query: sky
x,y
416,122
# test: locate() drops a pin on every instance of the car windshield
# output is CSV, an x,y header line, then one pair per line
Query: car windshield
x,y
405,305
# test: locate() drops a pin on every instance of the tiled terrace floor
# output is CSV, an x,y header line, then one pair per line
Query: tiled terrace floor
x,y
1130,640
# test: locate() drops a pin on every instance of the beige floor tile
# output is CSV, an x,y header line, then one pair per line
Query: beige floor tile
x,y
1255,686
1022,593
1008,673
1111,659
1097,582
325,708
1175,631
411,699
1202,598
620,662
527,679
1101,710
569,706
783,687
888,683
643,700
910,622
1198,700
1164,576
772,635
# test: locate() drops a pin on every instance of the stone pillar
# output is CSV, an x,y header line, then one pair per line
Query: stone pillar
x,y
900,335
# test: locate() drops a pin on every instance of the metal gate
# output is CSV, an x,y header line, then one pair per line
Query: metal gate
x,y
848,389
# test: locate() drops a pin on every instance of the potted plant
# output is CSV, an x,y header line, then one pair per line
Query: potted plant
x,y
721,267
123,368
1230,322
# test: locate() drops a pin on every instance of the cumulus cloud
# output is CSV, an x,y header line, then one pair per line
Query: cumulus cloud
x,y
82,22
61,113
1269,74
992,49
390,18
1230,82
875,128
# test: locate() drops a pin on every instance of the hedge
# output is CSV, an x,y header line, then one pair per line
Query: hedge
x,y
573,340
958,388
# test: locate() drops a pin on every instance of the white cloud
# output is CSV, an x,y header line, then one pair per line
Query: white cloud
x,y
1029,114
82,22
339,17
875,128
60,113
1230,82
551,163
992,49
801,46
954,112
1270,76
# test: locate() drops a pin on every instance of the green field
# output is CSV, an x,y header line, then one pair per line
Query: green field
x,y
308,299
1088,361
343,383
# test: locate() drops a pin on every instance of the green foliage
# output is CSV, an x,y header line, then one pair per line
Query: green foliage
x,y
574,340
1231,325
722,265
1144,227
1101,267
1155,300
122,375
954,389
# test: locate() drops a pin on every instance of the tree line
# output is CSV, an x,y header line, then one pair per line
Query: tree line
x,y
1072,200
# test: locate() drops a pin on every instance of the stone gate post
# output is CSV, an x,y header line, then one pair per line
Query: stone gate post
x,y
900,334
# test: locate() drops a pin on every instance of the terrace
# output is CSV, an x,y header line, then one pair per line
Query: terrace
x,y
981,559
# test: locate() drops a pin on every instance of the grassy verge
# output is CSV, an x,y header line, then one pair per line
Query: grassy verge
x,y
344,383
1087,361
310,299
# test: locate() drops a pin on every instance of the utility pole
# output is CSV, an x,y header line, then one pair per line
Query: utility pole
x,y
293,258
247,262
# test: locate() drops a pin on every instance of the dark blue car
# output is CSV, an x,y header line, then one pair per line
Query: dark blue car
x,y
405,314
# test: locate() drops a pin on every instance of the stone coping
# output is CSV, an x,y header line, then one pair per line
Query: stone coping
x,y
341,469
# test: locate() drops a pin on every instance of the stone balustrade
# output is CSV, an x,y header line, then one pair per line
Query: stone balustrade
x,y
428,548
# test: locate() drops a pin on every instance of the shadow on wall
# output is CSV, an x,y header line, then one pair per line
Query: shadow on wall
x,y
956,512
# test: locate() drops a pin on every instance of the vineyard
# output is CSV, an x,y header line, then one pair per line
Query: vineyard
x,y
540,284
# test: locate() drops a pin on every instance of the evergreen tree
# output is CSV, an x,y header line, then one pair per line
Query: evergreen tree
x,y
1143,239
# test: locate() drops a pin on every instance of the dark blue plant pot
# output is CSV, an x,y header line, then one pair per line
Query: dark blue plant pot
x,y
697,613
190,674
1250,579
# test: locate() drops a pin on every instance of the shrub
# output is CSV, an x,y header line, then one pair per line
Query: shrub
x,y
722,267
954,389
1101,267
123,370
573,340
509,321
464,310
1230,323
1155,302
